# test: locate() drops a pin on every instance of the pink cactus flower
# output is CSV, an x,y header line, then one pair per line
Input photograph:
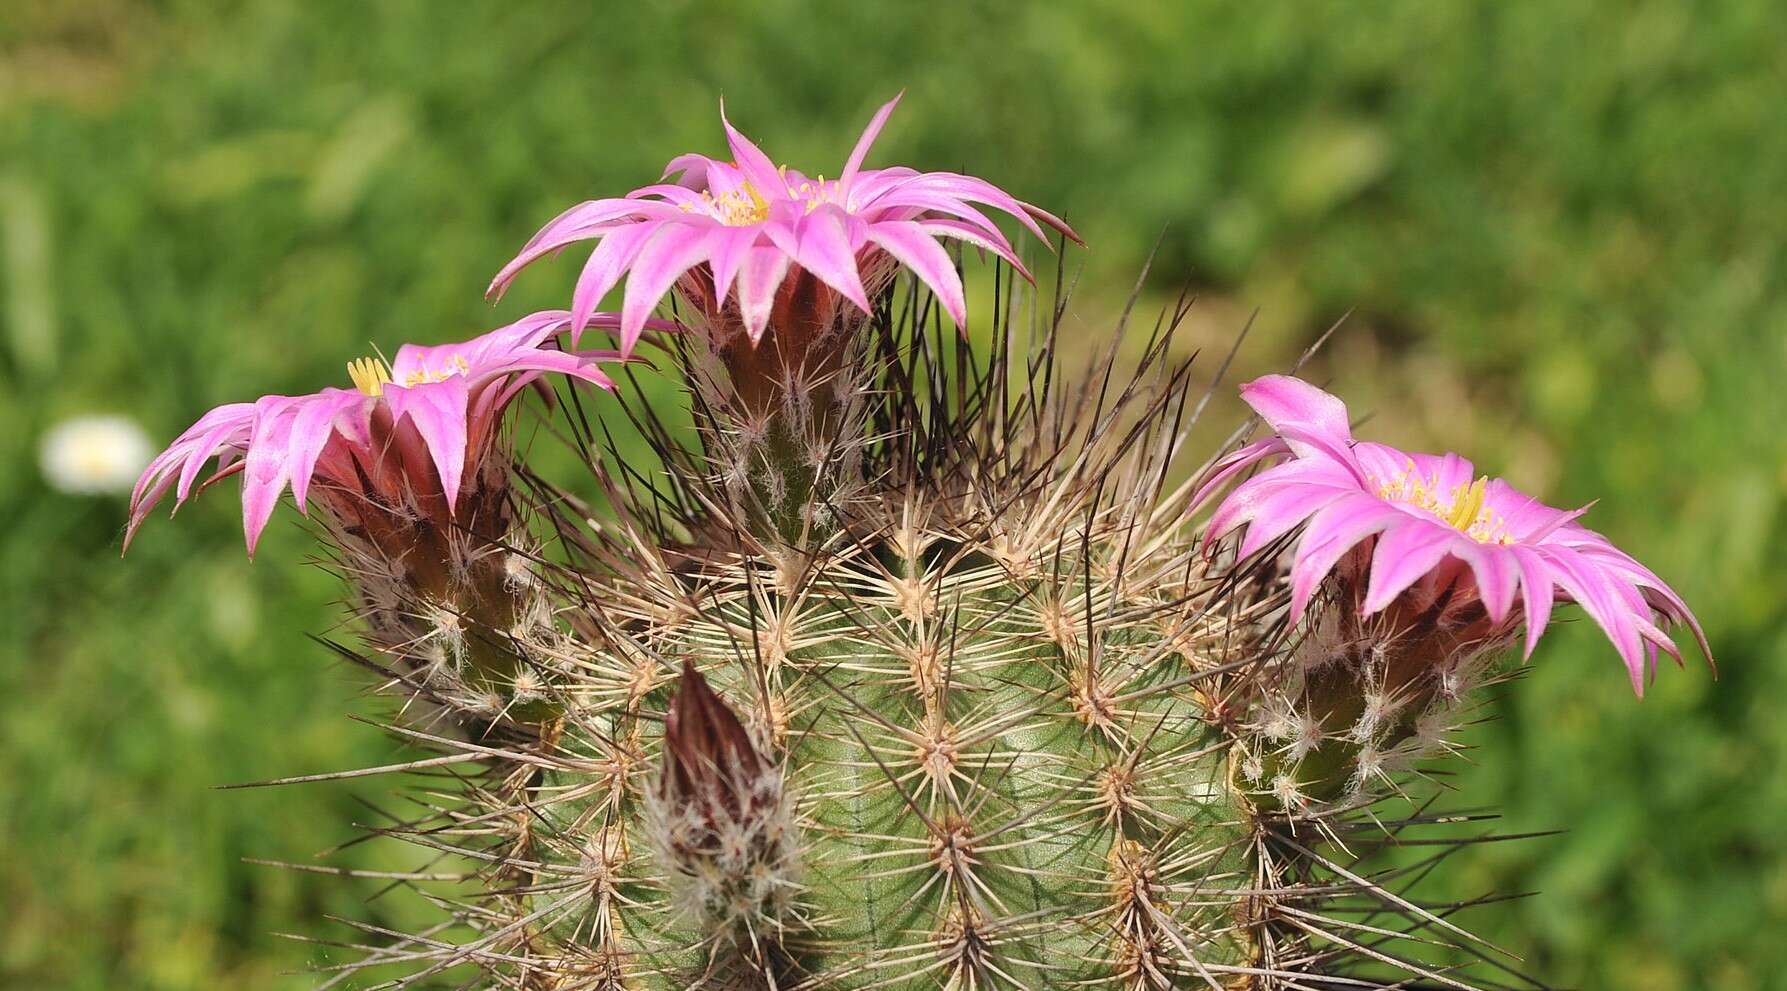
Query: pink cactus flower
x,y
748,225
1431,520
407,436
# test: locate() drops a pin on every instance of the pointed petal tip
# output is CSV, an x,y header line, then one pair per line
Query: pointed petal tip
x,y
1059,224
853,164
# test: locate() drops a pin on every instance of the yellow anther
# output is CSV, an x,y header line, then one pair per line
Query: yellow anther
x,y
1467,511
1466,508
369,375
758,205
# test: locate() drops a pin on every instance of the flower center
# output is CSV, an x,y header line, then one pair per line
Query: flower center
x,y
738,208
457,365
1463,508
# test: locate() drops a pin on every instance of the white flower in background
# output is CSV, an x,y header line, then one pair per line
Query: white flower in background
x,y
94,455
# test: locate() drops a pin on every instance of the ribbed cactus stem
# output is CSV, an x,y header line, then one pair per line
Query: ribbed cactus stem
x,y
995,720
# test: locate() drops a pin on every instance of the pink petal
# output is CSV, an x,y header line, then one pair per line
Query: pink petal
x,y
729,249
438,411
1383,463
1537,594
662,261
758,279
966,232
1451,473
1275,501
1656,592
1639,610
1056,222
873,183
585,366
582,222
489,353
582,365
968,188
782,227
1327,538
312,426
827,250
530,331
208,443
921,206
861,151
612,257
1497,574
664,196
1285,403
1231,465
1280,513
1403,556
221,432
694,169
1597,597
759,171
266,470
1317,443
916,250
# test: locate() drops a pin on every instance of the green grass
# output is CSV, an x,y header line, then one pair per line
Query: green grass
x,y
1557,226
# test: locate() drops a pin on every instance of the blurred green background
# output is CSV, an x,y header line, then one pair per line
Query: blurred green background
x,y
1558,228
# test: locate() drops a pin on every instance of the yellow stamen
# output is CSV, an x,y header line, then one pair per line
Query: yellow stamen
x,y
736,208
459,367
1467,511
1466,507
759,206
369,375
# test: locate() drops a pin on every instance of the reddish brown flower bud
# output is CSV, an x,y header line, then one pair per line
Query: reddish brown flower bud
x,y
721,819
709,759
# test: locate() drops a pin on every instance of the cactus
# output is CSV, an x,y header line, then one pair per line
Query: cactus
x,y
981,729
987,727
905,661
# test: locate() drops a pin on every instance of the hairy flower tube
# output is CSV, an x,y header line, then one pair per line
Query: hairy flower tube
x,y
417,497
753,228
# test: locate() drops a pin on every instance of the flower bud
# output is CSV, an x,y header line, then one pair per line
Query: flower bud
x,y
723,823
